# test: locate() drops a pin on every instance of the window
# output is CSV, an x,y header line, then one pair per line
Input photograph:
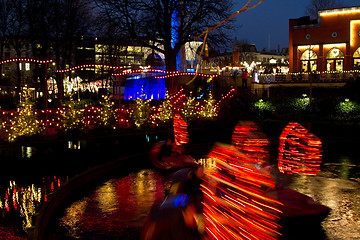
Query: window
x,y
27,66
335,60
308,61
356,58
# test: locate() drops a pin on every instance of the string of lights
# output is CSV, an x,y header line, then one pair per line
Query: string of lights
x,y
25,60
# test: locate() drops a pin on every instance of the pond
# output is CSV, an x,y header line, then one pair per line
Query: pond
x,y
118,207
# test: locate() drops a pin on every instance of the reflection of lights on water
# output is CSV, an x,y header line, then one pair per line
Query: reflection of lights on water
x,y
118,204
344,168
24,200
73,215
27,152
207,163
74,145
107,197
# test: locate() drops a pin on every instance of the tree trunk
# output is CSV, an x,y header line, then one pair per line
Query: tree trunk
x,y
170,63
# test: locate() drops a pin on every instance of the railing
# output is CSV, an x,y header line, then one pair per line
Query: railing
x,y
318,77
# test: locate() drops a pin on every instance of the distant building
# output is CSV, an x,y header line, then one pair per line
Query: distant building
x,y
329,43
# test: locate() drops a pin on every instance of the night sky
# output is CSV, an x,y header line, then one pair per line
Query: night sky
x,y
270,21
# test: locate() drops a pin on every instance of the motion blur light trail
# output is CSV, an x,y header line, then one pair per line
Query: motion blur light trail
x,y
299,151
180,130
249,140
235,205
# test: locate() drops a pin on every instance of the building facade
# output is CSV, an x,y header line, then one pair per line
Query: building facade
x,y
329,43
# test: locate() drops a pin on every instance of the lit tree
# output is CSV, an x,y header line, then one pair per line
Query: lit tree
x,y
190,108
165,110
107,116
72,117
26,122
209,109
141,112
165,26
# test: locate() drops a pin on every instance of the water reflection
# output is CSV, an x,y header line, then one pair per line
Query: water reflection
x,y
74,145
117,208
24,201
27,152
341,196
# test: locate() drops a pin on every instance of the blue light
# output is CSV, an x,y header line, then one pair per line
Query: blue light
x,y
149,87
181,200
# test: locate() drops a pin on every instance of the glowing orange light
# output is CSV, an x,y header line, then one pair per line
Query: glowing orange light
x,y
235,205
299,151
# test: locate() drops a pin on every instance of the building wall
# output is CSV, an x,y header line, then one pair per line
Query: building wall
x,y
336,28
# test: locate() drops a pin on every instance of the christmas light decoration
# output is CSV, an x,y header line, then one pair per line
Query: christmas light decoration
x,y
25,60
165,112
248,139
107,113
299,151
209,110
190,108
25,122
180,131
71,116
235,203
176,74
148,70
141,112
89,66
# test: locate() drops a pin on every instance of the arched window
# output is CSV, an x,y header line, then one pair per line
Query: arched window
x,y
308,61
335,60
356,58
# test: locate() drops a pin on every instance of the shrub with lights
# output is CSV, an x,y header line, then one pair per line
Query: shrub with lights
x,y
107,115
263,108
72,116
209,109
141,112
190,108
165,110
347,110
25,121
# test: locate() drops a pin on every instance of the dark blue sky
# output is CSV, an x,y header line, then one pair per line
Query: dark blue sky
x,y
268,23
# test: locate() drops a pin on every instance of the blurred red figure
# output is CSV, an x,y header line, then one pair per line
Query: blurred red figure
x,y
299,151
180,130
235,202
248,139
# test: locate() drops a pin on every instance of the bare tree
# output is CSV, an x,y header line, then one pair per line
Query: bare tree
x,y
165,25
317,5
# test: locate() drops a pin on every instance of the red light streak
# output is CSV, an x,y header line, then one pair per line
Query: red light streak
x,y
299,151
235,205
180,130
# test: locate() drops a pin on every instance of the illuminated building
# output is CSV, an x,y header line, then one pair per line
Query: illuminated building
x,y
329,43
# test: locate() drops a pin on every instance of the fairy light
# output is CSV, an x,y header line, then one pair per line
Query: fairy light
x,y
71,116
150,70
89,66
299,151
25,122
25,60
107,114
141,112
175,74
353,10
209,110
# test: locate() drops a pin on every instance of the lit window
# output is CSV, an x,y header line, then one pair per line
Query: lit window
x,y
27,66
20,66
